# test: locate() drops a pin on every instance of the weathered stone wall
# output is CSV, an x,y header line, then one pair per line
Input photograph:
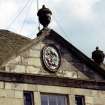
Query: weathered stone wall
x,y
9,96
12,93
29,62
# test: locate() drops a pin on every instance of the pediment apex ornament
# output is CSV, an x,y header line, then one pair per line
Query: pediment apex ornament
x,y
44,15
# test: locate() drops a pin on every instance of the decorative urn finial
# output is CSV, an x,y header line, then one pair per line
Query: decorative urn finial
x,y
44,15
98,56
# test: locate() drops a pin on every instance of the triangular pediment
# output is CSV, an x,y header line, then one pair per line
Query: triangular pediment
x,y
67,61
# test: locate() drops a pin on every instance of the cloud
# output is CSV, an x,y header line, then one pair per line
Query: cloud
x,y
7,10
82,22
82,8
26,21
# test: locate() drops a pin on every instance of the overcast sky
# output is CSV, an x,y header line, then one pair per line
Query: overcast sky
x,y
82,22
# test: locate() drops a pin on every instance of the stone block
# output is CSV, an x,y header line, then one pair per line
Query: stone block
x,y
11,101
15,86
89,104
2,93
18,94
34,53
98,100
32,69
9,93
78,91
25,54
37,98
89,100
1,85
71,74
6,93
9,85
23,61
15,60
27,87
18,102
11,67
54,89
101,94
19,69
34,61
18,86
81,75
37,46
16,68
71,100
32,87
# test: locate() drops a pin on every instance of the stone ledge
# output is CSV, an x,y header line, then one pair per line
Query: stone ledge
x,y
51,81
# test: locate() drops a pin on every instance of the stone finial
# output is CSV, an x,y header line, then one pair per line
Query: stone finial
x,y
44,15
98,56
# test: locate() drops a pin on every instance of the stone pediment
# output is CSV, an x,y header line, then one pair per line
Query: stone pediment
x,y
67,61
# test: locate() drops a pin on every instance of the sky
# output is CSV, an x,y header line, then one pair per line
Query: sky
x,y
81,22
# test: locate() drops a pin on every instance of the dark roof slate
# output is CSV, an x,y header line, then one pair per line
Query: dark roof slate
x,y
10,43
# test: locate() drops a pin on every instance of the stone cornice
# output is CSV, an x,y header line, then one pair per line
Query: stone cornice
x,y
51,81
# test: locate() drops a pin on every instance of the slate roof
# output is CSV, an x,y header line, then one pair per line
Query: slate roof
x,y
10,43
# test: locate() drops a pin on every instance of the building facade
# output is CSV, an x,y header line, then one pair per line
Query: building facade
x,y
47,70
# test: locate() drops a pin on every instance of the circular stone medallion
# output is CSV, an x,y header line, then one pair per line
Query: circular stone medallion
x,y
51,58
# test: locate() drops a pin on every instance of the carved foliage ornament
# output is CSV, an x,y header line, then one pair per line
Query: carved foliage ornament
x,y
51,58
